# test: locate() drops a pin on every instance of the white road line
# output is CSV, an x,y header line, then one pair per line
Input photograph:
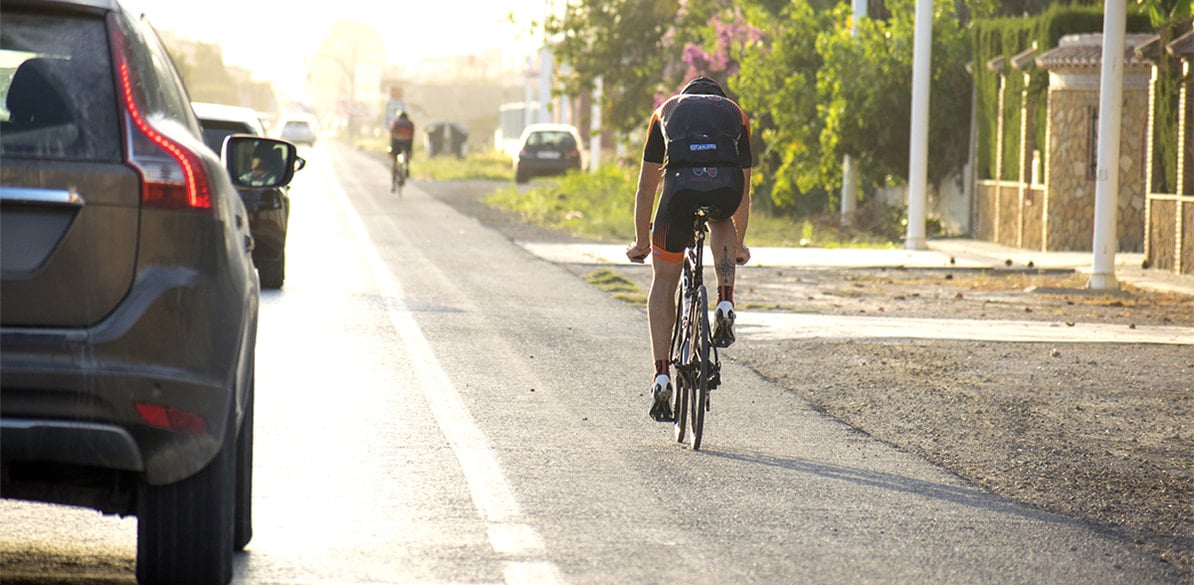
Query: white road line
x,y
490,491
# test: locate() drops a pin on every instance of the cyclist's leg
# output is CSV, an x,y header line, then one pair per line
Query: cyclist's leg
x,y
723,238
661,305
671,233
723,241
667,246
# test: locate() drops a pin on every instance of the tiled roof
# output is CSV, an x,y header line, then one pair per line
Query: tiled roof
x,y
1183,45
1086,51
1025,58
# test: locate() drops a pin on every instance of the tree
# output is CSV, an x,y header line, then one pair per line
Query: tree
x,y
821,93
634,46
776,84
864,91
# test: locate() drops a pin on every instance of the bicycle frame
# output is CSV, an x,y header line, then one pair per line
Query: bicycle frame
x,y
697,364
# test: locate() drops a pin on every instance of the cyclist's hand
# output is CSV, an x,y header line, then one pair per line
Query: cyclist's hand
x,y
636,253
743,255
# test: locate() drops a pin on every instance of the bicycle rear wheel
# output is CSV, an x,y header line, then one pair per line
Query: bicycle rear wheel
x,y
398,174
698,394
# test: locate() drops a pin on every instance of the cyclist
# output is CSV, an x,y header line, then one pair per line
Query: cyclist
x,y
402,138
698,144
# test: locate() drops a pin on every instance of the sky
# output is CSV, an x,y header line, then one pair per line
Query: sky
x,y
275,38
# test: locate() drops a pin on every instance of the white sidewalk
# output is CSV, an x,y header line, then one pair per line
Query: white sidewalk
x,y
756,325
943,254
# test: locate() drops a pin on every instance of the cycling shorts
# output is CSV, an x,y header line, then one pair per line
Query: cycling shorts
x,y
685,189
397,144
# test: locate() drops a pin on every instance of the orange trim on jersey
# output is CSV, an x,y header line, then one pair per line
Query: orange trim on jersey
x,y
669,257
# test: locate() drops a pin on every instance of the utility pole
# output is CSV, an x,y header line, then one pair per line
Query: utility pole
x,y
595,127
1111,81
918,154
546,65
849,173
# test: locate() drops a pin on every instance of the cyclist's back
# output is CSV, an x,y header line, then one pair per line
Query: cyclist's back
x,y
701,130
402,136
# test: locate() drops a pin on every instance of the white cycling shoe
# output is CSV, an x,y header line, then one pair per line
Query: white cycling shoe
x,y
723,324
661,394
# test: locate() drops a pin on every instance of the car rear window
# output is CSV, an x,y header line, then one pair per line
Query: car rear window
x,y
562,140
57,96
215,131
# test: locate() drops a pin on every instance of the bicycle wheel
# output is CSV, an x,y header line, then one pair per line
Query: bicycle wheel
x,y
680,405
679,384
395,173
698,395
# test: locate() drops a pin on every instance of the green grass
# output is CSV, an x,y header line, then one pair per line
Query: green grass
x,y
489,165
618,286
601,206
484,166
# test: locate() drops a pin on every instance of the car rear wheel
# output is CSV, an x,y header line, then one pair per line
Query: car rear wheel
x,y
521,176
273,272
243,519
184,529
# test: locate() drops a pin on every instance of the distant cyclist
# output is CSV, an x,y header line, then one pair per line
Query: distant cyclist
x,y
402,137
698,143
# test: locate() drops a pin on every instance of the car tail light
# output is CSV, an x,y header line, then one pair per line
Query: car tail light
x,y
165,417
172,176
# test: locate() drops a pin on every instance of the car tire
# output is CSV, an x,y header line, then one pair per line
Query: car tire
x,y
184,529
273,272
521,177
242,527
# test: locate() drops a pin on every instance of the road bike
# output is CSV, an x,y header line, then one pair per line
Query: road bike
x,y
398,172
697,366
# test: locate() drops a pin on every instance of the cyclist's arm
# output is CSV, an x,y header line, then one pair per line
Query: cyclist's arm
x,y
644,201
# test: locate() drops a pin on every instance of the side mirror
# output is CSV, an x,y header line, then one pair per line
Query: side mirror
x,y
258,162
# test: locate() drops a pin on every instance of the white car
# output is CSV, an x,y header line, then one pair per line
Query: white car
x,y
300,130
547,149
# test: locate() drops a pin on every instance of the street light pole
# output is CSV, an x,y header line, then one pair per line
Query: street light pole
x,y
349,72
1102,276
918,155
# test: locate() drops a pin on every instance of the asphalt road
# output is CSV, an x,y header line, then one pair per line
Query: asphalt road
x,y
438,405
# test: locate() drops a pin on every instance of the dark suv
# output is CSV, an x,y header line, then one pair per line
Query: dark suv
x,y
128,313
268,207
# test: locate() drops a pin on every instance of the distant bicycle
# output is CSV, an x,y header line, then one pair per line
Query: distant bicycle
x,y
698,368
398,172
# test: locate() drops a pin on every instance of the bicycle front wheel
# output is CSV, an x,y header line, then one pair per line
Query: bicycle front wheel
x,y
680,401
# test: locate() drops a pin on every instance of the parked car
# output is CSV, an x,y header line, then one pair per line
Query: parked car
x,y
268,207
547,149
300,130
128,319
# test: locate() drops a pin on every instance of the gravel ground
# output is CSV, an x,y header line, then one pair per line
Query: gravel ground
x,y
1099,432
